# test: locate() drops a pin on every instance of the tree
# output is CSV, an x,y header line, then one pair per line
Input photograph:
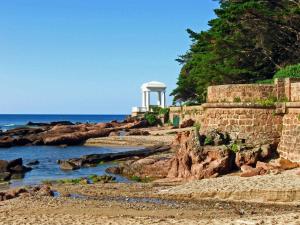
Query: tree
x,y
248,41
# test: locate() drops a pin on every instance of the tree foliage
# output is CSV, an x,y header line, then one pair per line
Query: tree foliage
x,y
248,41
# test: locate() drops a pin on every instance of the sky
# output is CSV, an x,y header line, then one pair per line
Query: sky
x,y
91,56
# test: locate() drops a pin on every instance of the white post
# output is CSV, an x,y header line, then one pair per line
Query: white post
x,y
159,98
143,99
148,100
163,105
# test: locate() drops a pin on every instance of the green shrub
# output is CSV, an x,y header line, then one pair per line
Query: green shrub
x,y
151,119
292,71
197,127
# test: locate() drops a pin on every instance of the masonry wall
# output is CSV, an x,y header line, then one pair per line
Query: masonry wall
x,y
289,146
186,112
240,92
254,125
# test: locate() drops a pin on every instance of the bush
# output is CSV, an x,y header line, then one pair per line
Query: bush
x,y
289,71
151,119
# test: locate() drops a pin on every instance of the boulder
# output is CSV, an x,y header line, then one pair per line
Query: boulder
x,y
15,162
6,142
194,161
33,163
113,170
247,157
19,169
250,172
286,164
66,165
187,123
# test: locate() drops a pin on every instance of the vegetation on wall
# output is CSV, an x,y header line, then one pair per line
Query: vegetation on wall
x,y
248,41
289,71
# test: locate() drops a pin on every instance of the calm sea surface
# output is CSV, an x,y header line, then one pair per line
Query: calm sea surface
x,y
11,121
48,169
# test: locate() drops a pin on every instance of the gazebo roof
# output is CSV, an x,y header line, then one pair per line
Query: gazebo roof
x,y
153,84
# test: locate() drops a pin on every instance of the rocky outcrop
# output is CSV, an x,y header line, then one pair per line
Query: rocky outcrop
x,y
64,133
40,191
152,167
193,161
95,159
13,168
250,156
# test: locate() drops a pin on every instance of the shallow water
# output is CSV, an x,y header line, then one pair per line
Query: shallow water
x,y
48,169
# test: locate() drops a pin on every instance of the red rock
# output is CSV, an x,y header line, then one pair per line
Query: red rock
x,y
253,172
187,123
193,161
286,164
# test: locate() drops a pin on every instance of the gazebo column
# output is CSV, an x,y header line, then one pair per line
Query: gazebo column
x,y
163,97
148,100
144,99
159,99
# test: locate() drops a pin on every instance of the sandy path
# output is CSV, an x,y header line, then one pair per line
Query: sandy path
x,y
269,188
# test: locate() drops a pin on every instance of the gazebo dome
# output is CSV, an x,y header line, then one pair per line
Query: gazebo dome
x,y
153,85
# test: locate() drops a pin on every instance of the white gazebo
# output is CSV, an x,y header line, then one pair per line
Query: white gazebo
x,y
147,88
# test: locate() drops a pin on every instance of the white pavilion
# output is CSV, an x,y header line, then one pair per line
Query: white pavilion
x,y
147,88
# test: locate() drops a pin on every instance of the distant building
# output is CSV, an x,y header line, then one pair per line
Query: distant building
x,y
147,88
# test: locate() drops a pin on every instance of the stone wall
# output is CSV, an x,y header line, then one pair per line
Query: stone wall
x,y
186,112
232,109
295,92
289,146
251,123
240,92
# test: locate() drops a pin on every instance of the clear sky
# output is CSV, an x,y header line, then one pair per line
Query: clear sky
x,y
91,56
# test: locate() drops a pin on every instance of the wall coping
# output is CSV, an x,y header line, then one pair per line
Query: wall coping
x,y
240,105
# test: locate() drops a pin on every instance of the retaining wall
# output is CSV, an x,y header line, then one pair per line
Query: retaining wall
x,y
256,124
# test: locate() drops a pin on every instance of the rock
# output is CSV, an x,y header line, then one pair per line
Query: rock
x,y
245,168
215,137
194,161
6,142
3,166
113,170
33,163
115,134
286,164
45,191
15,162
5,176
253,172
137,133
19,169
247,157
66,165
297,172
187,123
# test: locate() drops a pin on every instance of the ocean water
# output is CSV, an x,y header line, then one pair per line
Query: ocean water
x,y
11,121
48,169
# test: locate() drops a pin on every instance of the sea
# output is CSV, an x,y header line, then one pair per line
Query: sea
x,y
48,169
10,121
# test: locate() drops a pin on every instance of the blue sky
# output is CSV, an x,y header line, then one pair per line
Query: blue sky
x,y
91,56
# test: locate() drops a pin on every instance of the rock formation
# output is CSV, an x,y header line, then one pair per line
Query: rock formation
x,y
194,161
13,168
